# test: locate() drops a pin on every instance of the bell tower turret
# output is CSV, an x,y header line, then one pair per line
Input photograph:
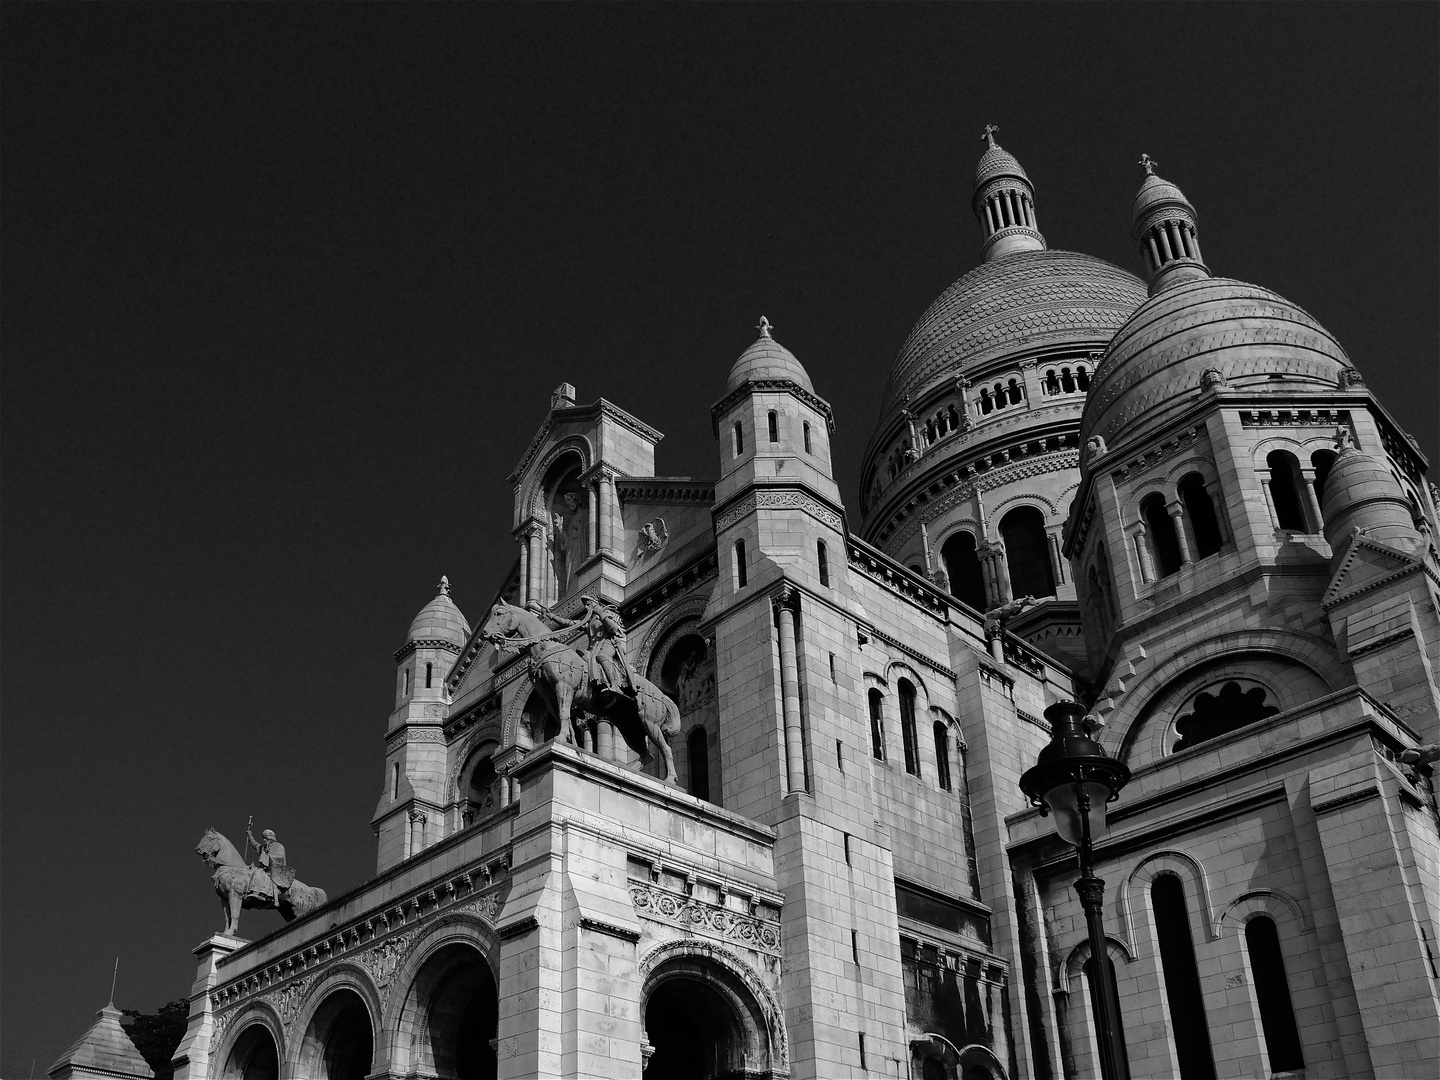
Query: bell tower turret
x,y
1004,203
1165,228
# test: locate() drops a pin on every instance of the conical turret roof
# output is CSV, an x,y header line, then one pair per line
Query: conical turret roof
x,y
104,1050
440,620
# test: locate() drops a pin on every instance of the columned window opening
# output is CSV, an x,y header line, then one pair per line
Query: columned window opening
x,y
942,754
1067,381
877,728
954,418
906,693
1015,393
739,439
1182,979
805,427
1322,461
1160,533
999,394
1285,491
1201,511
1082,378
1027,552
824,562
698,746
254,1056
1052,382
741,577
774,426
985,403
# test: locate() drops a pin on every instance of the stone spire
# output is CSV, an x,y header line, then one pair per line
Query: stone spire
x,y
1165,229
105,1050
1004,202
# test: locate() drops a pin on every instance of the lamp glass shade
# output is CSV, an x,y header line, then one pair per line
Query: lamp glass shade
x,y
1064,803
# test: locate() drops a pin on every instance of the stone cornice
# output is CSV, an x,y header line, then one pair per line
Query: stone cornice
x,y
426,643
779,496
578,415
900,579
665,489
772,386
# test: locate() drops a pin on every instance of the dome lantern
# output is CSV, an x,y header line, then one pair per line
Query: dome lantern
x,y
1164,227
1004,203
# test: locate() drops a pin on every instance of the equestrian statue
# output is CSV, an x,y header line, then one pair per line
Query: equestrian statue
x,y
269,883
598,681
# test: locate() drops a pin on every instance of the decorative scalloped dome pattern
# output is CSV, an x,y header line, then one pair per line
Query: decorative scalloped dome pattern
x,y
1025,300
997,162
1246,333
767,359
440,620
1155,191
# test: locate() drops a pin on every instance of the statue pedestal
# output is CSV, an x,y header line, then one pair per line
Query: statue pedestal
x,y
192,1057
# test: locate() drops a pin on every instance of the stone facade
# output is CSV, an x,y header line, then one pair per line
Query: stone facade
x,y
846,879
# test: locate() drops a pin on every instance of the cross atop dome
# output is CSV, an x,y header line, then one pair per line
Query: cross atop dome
x,y
764,327
444,585
1147,163
988,135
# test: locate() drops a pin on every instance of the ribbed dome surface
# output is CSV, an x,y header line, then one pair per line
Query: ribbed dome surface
x,y
1153,367
1024,301
997,162
767,359
440,620
1361,493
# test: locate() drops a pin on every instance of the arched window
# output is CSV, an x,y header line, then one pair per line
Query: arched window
x,y
1082,378
1016,394
1272,993
394,779
1322,461
877,729
942,754
404,682
1201,512
1113,993
999,393
954,418
1160,530
823,561
741,577
906,693
739,439
985,405
1182,979
805,427
774,425
962,566
1212,713
698,744
1052,382
1067,380
1285,491
428,670
1027,552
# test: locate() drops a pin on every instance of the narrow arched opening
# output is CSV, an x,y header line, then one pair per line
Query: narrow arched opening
x,y
698,746
254,1056
1027,552
703,1024
962,566
942,754
906,693
1285,491
1322,461
1164,544
1112,997
1272,993
877,725
450,1016
1182,979
1201,512
339,1042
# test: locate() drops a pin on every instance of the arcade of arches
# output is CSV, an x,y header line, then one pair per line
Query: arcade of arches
x,y
702,1023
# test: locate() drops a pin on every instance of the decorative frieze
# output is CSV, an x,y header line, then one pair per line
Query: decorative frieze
x,y
1166,450
783,499
700,917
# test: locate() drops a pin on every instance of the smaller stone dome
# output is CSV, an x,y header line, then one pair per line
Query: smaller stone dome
x,y
997,161
1156,192
767,359
440,620
1362,494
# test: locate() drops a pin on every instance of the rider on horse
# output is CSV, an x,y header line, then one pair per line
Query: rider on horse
x,y
605,654
273,875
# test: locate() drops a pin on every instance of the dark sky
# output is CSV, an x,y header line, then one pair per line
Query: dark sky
x,y
285,291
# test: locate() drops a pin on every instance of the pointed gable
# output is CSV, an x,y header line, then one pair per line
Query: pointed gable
x,y
104,1050
1367,564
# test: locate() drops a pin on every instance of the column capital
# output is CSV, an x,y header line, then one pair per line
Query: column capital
x,y
785,598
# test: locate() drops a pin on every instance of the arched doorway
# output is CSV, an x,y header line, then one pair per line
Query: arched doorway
x,y
702,1023
254,1056
339,1042
451,1015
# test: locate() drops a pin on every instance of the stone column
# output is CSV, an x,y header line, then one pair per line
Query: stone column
x,y
608,512
524,569
1222,519
592,530
790,693
417,831
532,582
1142,552
1176,510
1312,504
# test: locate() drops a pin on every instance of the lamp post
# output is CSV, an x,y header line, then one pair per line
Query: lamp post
x,y
1074,779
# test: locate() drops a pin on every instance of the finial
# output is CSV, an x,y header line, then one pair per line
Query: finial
x,y
764,327
1344,440
988,135
1147,163
444,585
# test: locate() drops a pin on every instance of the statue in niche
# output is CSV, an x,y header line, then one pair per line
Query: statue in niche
x,y
651,538
695,680
567,539
270,883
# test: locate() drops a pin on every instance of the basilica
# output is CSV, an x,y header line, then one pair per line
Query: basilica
x,y
725,780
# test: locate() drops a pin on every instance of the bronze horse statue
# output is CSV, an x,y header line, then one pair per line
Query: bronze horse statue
x,y
233,883
561,675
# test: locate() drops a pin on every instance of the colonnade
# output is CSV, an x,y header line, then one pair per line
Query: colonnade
x,y
604,531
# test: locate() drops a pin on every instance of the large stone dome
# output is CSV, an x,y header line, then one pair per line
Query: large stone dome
x,y
1027,300
1252,337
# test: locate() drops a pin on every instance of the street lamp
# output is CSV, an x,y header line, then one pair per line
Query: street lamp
x,y
1074,779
